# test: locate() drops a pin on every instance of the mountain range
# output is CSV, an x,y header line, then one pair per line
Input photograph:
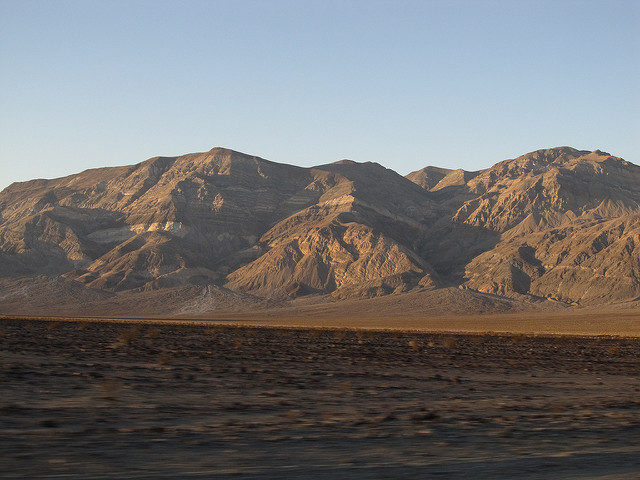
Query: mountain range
x,y
221,230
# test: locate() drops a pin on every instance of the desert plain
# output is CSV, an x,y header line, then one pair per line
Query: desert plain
x,y
149,398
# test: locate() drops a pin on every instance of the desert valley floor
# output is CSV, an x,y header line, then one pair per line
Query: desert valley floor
x,y
153,400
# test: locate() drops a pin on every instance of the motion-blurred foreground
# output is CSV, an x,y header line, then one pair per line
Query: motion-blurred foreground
x,y
117,400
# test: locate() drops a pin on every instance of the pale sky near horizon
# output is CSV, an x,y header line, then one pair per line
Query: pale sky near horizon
x,y
406,84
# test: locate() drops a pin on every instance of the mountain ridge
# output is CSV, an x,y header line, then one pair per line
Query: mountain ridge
x,y
553,225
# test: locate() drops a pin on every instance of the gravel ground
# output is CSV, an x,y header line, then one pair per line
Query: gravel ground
x,y
118,400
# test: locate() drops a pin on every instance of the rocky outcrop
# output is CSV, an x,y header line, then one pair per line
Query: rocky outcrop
x,y
436,178
594,262
333,256
566,225
551,187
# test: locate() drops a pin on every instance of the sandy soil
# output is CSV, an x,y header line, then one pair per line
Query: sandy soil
x,y
620,322
118,400
584,322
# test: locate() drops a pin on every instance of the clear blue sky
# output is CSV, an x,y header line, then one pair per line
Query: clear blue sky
x,y
406,84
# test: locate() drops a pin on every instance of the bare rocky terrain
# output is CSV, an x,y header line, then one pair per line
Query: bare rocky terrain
x,y
125,400
224,231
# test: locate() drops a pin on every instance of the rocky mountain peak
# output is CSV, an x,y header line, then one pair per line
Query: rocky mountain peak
x,y
556,223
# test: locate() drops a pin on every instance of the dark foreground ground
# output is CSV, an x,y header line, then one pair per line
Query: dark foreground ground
x,y
109,400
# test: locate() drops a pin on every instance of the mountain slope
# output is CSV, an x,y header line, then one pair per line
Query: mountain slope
x,y
566,226
559,224
198,217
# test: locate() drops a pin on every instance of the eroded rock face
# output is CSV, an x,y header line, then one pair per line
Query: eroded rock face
x,y
359,238
436,178
341,254
551,187
557,223
567,225
213,218
592,262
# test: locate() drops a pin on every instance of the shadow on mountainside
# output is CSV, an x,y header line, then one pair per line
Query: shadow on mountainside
x,y
451,245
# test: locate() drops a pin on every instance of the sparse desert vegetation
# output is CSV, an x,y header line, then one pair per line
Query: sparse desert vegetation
x,y
101,399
